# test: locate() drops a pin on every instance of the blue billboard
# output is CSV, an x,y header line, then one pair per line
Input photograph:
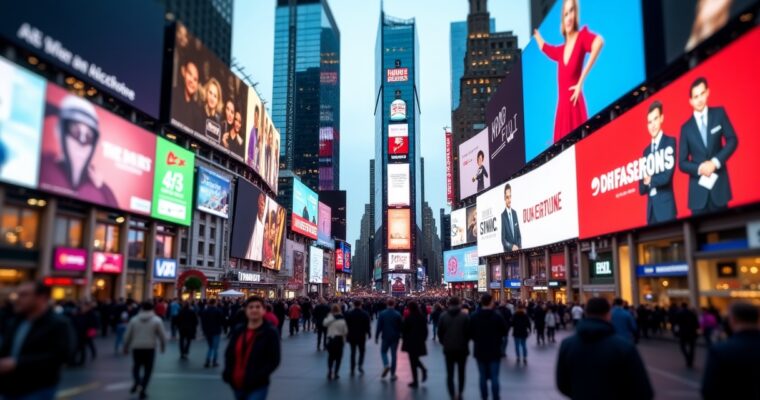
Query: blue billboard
x,y
213,193
461,265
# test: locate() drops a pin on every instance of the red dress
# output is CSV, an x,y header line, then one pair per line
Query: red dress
x,y
569,116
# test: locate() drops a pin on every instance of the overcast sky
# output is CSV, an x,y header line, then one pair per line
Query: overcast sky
x,y
253,48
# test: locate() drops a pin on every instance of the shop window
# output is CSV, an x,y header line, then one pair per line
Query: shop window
x,y
68,231
662,251
106,237
537,267
165,246
18,227
136,244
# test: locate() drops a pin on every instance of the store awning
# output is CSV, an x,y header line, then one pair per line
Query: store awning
x,y
231,293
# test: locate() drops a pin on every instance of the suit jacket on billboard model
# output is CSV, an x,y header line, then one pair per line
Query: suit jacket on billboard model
x,y
693,152
662,206
508,238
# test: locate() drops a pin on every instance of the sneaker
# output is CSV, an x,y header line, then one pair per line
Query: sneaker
x,y
385,371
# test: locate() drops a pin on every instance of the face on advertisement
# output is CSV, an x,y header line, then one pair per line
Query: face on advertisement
x,y
569,17
262,206
698,94
79,130
655,119
213,96
190,76
481,157
229,112
238,124
508,196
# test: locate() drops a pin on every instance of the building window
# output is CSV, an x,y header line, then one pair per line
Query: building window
x,y
201,230
68,231
19,227
212,232
106,237
183,247
211,249
165,246
200,247
136,246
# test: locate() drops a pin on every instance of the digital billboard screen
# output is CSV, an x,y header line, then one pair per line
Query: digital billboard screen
x,y
207,99
398,141
22,104
258,230
562,89
689,149
399,261
464,226
343,257
505,120
474,165
213,192
532,210
262,142
398,185
173,183
97,41
316,265
460,265
305,210
95,156
324,230
399,229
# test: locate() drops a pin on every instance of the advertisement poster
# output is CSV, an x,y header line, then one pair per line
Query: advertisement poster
x,y
458,227
95,156
558,270
399,229
258,229
107,263
506,127
262,142
213,193
533,210
273,251
398,141
398,110
474,165
449,169
305,206
482,279
461,265
316,265
398,283
69,259
398,185
97,42
397,75
324,230
165,268
289,268
651,165
399,261
173,183
609,31
298,259
22,104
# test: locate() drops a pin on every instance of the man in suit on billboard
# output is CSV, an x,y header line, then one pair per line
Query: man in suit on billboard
x,y
510,229
707,142
661,204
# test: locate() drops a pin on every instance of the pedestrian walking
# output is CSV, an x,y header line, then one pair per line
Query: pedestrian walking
x,y
618,371
359,330
685,327
212,321
337,330
36,343
389,330
121,329
506,312
551,320
294,313
144,331
732,368
414,331
539,323
708,323
320,313
454,334
435,316
520,332
187,324
253,353
488,329
174,308
623,322
577,314
306,309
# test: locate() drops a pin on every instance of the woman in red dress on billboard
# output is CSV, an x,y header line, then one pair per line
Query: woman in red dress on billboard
x,y
571,73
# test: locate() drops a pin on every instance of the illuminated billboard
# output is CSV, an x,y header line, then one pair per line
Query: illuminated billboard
x,y
399,229
305,210
399,191
316,265
460,265
324,228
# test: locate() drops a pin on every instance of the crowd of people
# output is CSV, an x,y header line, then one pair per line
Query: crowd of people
x,y
38,337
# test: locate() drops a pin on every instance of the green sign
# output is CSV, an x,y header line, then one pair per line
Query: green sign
x,y
173,183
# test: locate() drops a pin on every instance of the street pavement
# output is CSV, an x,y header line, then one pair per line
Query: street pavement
x,y
303,374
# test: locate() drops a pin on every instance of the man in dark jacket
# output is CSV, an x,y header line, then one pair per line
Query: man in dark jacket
x,y
732,368
187,322
212,320
618,371
320,313
253,353
359,331
507,315
454,335
389,330
488,331
36,343
686,327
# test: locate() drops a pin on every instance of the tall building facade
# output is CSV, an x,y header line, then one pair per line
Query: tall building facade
x,y
306,91
488,58
398,180
445,229
208,20
458,47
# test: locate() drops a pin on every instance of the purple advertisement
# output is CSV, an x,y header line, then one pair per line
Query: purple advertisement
x,y
506,128
69,259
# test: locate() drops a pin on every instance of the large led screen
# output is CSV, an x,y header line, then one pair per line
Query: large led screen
x,y
97,41
305,206
474,165
399,261
535,209
316,265
94,156
173,183
343,257
208,100
398,141
399,229
464,226
262,144
213,192
258,230
22,103
324,230
689,149
506,127
398,185
460,265
562,88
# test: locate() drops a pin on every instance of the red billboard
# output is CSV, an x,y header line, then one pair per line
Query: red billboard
x,y
397,74
688,149
398,146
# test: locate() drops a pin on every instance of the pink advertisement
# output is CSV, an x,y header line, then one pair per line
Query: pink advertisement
x,y
107,263
69,259
93,155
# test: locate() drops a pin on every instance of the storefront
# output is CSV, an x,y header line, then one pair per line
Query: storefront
x,y
663,284
192,283
67,277
495,278
512,289
558,278
106,270
536,276
19,239
601,282
164,277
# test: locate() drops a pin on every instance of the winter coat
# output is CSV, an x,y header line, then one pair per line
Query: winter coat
x,y
732,368
454,331
625,325
144,331
187,322
520,325
388,325
595,363
414,331
359,328
488,330
336,326
212,320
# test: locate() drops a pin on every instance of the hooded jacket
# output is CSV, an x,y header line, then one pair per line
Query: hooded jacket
x,y
144,330
595,363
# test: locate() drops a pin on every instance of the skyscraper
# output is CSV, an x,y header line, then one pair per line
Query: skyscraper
x,y
306,92
458,43
398,179
208,20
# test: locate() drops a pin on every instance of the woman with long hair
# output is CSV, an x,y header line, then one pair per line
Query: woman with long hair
x,y
571,72
337,330
414,332
213,100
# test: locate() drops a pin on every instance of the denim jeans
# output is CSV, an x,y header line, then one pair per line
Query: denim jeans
x,y
213,348
40,394
489,370
391,345
520,343
258,394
